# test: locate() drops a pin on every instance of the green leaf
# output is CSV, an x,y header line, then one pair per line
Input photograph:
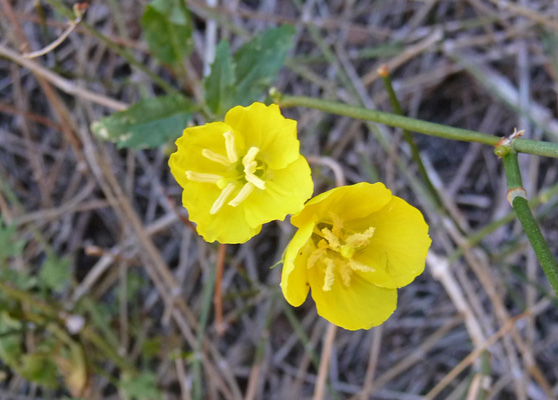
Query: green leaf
x,y
258,62
39,368
10,339
19,279
9,245
147,124
219,84
55,272
141,387
168,30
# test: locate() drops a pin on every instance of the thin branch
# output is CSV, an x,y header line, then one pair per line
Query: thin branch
x,y
319,389
518,199
73,25
218,293
416,125
62,83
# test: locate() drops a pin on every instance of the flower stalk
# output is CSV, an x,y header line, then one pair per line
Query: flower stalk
x,y
540,148
518,200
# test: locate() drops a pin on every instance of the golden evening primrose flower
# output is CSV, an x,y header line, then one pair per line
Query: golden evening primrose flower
x,y
241,173
354,247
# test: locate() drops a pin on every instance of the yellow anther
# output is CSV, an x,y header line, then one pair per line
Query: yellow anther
x,y
315,256
242,195
360,239
332,239
230,146
345,272
329,274
216,157
337,251
202,177
250,166
337,228
358,266
254,180
225,193
251,155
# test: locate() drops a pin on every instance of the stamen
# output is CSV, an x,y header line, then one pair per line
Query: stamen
x,y
251,155
329,275
202,177
337,228
332,239
357,266
360,239
254,180
225,193
346,272
218,158
250,167
230,146
242,195
316,255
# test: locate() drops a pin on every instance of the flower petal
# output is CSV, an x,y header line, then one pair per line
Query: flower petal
x,y
294,278
398,248
188,156
348,202
285,192
361,305
228,225
265,128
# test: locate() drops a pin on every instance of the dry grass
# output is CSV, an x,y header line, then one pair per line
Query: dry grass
x,y
479,323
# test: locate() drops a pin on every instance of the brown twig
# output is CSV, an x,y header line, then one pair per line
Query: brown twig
x,y
319,389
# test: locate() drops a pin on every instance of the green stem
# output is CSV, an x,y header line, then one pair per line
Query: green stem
x,y
428,128
415,153
546,149
523,211
513,174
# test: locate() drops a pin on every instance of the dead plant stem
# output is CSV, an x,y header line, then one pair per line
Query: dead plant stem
x,y
319,389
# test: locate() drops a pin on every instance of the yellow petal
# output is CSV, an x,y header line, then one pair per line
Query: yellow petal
x,y
226,226
265,128
348,202
294,278
190,145
361,305
398,248
285,192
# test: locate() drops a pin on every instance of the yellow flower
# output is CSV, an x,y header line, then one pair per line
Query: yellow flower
x,y
354,247
241,173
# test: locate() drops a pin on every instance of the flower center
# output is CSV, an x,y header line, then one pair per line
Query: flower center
x,y
336,248
247,172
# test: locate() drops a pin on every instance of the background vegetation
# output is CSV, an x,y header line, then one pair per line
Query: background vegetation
x,y
105,289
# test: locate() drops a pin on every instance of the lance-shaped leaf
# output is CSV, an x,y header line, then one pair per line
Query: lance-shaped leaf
x,y
219,84
147,124
168,30
258,62
244,77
